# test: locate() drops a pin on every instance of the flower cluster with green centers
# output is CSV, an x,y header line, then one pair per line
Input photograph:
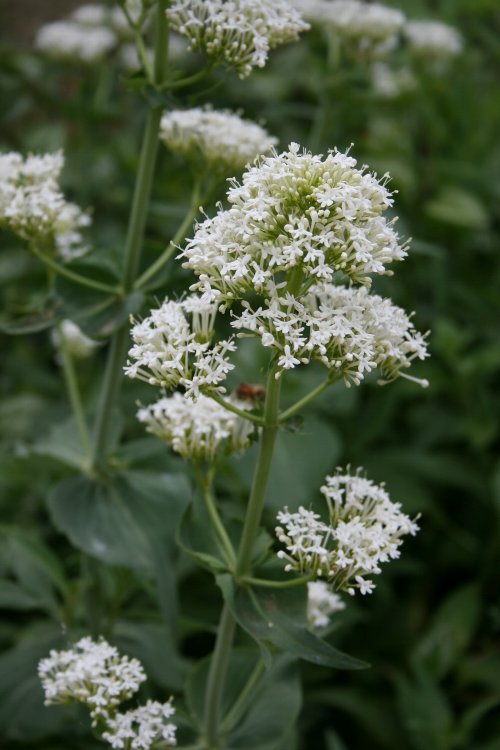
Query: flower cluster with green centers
x,y
239,33
364,529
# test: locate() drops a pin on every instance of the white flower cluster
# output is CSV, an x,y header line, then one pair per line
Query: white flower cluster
x,y
347,329
389,82
89,34
371,27
321,603
78,343
298,211
224,140
239,33
170,350
95,674
92,673
33,207
197,429
142,728
364,530
433,40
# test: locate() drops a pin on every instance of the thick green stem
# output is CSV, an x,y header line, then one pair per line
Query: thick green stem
x,y
74,394
223,646
113,374
216,677
261,475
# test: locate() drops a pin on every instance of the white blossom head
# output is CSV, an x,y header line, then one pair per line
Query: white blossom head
x,y
142,728
239,33
33,206
295,216
198,430
92,673
172,348
70,40
347,329
364,529
77,342
390,83
223,139
433,40
322,602
369,28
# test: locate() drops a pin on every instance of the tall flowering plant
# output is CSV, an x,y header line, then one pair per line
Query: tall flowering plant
x,y
285,265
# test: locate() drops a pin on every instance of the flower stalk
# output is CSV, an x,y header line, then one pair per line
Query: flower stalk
x,y
113,373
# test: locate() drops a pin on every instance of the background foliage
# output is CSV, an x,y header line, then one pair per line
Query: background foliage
x,y
72,555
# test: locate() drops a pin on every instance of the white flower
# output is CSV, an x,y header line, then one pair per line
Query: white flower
x,y
295,212
70,40
196,429
224,139
364,529
389,83
78,343
93,673
239,33
371,27
321,603
170,351
33,206
142,728
113,18
349,330
433,39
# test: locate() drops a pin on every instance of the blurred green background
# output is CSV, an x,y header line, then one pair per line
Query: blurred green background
x,y
432,629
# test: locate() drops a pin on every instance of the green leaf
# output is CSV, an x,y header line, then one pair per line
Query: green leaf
x,y
458,207
23,715
425,712
154,646
279,618
38,320
62,443
122,518
12,596
450,631
273,710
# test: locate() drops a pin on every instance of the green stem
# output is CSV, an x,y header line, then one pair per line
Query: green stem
x,y
239,705
217,675
225,634
113,373
323,110
306,399
74,393
235,410
267,583
158,264
183,82
72,275
206,486
261,474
